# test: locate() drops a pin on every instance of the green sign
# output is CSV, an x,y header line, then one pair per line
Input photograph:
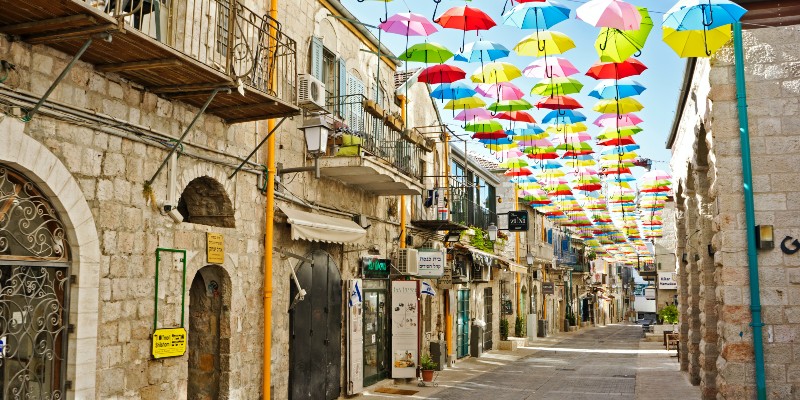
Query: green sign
x,y
375,267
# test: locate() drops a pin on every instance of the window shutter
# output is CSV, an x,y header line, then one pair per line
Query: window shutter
x,y
356,112
342,87
316,57
549,236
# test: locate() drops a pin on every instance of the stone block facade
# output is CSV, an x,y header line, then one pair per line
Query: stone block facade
x,y
714,294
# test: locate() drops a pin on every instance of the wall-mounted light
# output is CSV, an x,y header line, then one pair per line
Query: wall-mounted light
x,y
492,229
452,236
764,237
316,131
529,258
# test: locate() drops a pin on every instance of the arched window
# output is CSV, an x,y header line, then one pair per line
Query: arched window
x,y
205,202
34,288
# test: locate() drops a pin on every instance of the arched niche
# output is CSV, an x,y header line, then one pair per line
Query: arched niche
x,y
204,201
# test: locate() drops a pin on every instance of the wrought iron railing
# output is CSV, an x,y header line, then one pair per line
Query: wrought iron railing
x,y
223,34
465,211
370,133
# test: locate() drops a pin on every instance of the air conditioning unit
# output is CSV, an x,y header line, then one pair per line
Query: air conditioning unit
x,y
406,261
310,93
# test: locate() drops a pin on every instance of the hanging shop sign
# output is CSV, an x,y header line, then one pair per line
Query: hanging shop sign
x,y
548,288
430,263
405,323
518,221
446,280
169,342
375,268
215,247
355,337
666,280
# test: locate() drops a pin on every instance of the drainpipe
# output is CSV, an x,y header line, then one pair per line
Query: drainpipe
x,y
750,215
448,317
403,221
269,231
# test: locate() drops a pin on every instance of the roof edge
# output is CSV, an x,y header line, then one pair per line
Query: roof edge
x,y
687,82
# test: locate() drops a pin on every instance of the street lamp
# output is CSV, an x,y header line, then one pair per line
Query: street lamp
x,y
529,258
492,229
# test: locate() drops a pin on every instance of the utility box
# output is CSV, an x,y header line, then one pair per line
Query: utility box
x,y
439,354
532,324
542,330
476,341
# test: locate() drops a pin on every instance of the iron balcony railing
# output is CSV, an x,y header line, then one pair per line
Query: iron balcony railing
x,y
364,129
466,212
222,34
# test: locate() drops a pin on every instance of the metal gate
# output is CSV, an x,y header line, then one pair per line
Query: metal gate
x,y
376,338
462,324
487,306
315,348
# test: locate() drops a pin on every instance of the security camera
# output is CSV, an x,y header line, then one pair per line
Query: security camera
x,y
173,213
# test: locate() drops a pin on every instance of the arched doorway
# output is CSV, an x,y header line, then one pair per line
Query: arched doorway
x,y
209,329
315,325
34,291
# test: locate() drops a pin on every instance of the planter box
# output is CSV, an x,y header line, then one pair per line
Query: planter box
x,y
373,109
508,345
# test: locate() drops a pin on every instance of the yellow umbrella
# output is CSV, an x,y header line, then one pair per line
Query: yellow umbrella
x,y
569,128
496,72
621,106
544,43
697,43
500,147
465,103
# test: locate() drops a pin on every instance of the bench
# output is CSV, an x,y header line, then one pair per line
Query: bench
x,y
673,341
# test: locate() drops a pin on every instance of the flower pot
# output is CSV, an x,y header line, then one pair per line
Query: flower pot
x,y
427,375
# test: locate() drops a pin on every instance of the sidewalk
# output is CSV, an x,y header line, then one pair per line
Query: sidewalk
x,y
658,375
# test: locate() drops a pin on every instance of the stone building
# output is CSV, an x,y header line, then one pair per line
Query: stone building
x,y
717,326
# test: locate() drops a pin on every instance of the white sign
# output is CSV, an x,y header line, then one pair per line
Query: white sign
x,y
355,337
405,324
431,264
650,293
666,280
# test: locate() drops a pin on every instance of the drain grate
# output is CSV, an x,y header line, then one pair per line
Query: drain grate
x,y
623,376
565,369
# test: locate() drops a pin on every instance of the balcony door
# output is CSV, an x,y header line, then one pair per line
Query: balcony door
x,y
462,324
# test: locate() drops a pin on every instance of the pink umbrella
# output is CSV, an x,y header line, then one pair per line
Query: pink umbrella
x,y
501,91
610,13
535,143
553,67
409,24
575,137
510,153
474,114
607,120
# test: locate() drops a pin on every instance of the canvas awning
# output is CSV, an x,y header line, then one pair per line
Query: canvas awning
x,y
322,228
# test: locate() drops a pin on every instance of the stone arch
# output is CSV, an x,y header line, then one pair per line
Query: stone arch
x,y
209,334
43,168
204,201
329,35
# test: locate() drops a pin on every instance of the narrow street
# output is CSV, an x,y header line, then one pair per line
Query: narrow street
x,y
608,362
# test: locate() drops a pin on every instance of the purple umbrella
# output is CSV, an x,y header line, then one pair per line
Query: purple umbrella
x,y
408,24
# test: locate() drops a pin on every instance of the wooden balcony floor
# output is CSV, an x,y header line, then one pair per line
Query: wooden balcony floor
x,y
66,25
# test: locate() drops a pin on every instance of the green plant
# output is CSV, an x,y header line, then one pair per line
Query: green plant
x,y
669,314
572,319
519,323
427,363
504,329
481,240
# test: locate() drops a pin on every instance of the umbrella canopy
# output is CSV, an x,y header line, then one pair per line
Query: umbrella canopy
x,y
536,15
510,105
517,116
484,126
608,120
569,116
513,163
502,91
621,106
543,43
483,51
472,114
701,15
465,18
442,73
409,24
557,86
489,135
450,91
612,70
613,88
615,45
549,68
702,43
427,53
465,103
610,13
496,72
558,103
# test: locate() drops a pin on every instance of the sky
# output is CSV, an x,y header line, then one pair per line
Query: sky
x,y
662,79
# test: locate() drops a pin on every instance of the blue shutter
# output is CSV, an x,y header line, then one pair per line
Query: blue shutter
x,y
549,236
316,57
342,86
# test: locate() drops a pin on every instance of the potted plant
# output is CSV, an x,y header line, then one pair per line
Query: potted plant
x,y
503,329
669,315
427,365
519,324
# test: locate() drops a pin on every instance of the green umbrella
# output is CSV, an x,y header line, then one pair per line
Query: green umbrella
x,y
427,53
557,87
513,163
510,105
484,126
615,45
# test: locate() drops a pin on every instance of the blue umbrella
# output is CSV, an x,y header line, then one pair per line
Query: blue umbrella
x,y
695,15
619,89
505,140
530,129
482,50
620,178
571,116
453,91
620,149
536,15
551,164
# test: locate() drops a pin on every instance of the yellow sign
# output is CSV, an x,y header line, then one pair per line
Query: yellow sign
x,y
170,342
215,244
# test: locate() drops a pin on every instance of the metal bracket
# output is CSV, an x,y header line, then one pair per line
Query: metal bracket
x,y
236,171
314,168
30,113
186,132
292,255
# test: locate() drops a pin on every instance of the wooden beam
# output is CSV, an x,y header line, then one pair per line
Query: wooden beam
x,y
244,107
198,87
261,117
69,34
47,24
139,65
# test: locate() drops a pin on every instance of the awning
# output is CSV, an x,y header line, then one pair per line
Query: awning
x,y
482,258
322,228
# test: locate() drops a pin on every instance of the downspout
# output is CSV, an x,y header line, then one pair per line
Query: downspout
x,y
750,215
269,225
403,218
516,245
448,317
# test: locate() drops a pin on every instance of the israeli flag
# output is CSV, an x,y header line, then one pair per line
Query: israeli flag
x,y
428,289
355,294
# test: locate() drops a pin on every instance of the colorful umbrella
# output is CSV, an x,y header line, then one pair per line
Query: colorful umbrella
x,y
482,51
544,43
517,116
564,115
536,15
554,67
688,43
427,53
409,24
697,15
610,13
509,105
616,45
484,126
450,91
496,72
465,18
621,106
612,70
502,91
557,86
489,135
472,114
441,73
608,120
558,103
465,103
613,88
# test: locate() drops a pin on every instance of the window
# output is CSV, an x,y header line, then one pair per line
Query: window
x,y
332,72
329,77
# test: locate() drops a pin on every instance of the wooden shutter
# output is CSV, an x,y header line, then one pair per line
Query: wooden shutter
x,y
342,80
316,57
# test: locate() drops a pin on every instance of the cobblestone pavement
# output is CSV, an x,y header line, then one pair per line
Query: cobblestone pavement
x,y
609,362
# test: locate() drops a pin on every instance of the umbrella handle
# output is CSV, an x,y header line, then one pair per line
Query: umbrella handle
x,y
710,15
548,72
436,7
386,13
705,40
605,43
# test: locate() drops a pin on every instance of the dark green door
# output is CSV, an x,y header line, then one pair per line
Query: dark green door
x,y
376,365
462,323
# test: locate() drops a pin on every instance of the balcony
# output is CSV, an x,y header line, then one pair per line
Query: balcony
x,y
372,152
465,211
429,212
178,49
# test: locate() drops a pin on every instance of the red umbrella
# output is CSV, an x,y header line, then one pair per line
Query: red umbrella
x,y
465,18
623,141
610,70
489,135
589,187
577,152
519,116
558,103
441,73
